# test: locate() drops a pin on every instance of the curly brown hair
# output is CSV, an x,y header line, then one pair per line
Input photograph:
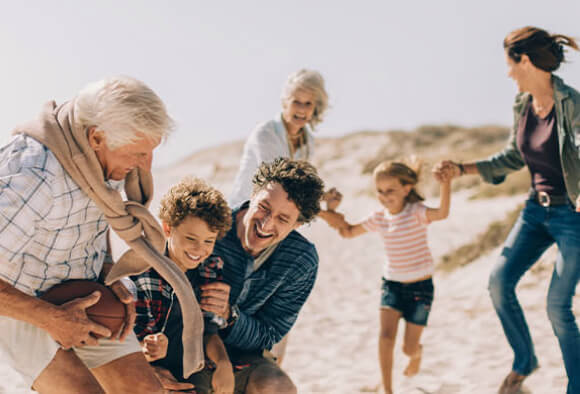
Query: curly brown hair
x,y
193,196
299,179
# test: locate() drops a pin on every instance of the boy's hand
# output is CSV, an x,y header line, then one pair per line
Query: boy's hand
x,y
223,380
155,346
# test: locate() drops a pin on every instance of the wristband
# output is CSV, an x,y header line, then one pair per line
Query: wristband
x,y
461,168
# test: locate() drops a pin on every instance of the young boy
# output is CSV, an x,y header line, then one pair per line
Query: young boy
x,y
194,215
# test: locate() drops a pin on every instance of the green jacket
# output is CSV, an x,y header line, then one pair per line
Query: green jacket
x,y
567,101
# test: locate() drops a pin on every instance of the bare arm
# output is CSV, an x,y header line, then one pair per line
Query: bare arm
x,y
442,212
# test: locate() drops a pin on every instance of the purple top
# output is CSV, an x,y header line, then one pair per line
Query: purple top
x,y
537,140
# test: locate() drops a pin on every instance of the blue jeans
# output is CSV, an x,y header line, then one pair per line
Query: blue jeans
x,y
536,229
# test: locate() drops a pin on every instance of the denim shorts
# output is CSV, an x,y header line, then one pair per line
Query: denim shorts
x,y
413,300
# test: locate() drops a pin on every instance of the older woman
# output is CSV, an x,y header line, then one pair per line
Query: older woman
x,y
289,134
546,138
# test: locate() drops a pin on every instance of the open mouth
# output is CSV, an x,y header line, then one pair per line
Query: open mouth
x,y
192,257
261,234
299,117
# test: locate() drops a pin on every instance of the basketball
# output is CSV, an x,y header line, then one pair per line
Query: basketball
x,y
108,311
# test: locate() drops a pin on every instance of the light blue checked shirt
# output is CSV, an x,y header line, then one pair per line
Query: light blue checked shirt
x,y
50,230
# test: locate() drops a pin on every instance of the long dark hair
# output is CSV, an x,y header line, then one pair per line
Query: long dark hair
x,y
545,50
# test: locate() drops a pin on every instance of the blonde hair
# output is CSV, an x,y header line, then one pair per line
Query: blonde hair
x,y
312,81
407,174
122,107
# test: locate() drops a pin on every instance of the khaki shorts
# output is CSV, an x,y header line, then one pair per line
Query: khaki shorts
x,y
29,349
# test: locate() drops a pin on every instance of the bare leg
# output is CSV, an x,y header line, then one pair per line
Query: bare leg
x,y
129,374
389,323
66,373
412,348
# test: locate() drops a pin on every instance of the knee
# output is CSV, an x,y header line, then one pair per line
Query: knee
x,y
497,286
410,350
270,380
560,315
387,338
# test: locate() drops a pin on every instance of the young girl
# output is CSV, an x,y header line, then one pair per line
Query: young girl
x,y
194,215
407,289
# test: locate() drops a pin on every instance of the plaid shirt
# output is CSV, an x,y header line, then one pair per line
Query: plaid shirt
x,y
155,299
51,231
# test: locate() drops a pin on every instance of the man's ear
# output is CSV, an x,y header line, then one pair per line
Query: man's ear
x,y
166,229
97,138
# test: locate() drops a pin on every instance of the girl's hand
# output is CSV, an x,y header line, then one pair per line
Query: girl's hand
x,y
155,346
333,198
223,380
445,170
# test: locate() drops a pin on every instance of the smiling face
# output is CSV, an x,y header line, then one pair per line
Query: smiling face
x,y
392,193
117,163
519,71
269,219
190,242
297,110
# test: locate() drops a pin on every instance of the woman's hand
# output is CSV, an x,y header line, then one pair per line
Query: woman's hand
x,y
170,384
223,380
155,346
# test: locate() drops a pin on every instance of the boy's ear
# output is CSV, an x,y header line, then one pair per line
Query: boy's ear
x,y
166,229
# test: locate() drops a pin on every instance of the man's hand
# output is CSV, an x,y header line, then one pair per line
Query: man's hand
x,y
223,380
71,326
215,298
155,346
170,384
125,296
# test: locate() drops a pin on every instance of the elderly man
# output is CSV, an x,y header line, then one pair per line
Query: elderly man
x,y
60,179
271,270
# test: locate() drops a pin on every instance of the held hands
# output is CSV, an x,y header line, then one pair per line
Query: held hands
x,y
155,346
446,170
72,328
215,298
223,380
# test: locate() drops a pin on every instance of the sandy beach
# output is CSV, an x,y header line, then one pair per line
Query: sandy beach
x,y
333,346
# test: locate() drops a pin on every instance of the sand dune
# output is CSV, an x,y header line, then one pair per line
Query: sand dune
x,y
333,346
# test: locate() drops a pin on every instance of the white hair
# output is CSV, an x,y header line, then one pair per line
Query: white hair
x,y
122,107
312,81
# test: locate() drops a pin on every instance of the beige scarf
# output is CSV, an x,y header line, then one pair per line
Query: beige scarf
x,y
131,220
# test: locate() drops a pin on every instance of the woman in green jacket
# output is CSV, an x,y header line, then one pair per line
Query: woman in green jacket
x,y
546,139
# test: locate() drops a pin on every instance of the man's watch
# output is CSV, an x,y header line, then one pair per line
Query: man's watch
x,y
234,314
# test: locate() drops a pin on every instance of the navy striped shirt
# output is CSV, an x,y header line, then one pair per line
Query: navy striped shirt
x,y
270,297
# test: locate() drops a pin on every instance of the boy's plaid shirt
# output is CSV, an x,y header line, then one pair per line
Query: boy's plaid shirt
x,y
155,296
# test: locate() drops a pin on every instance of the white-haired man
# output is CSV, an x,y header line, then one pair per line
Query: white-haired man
x,y
60,179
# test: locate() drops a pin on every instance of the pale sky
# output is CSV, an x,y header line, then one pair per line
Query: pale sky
x,y
219,66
